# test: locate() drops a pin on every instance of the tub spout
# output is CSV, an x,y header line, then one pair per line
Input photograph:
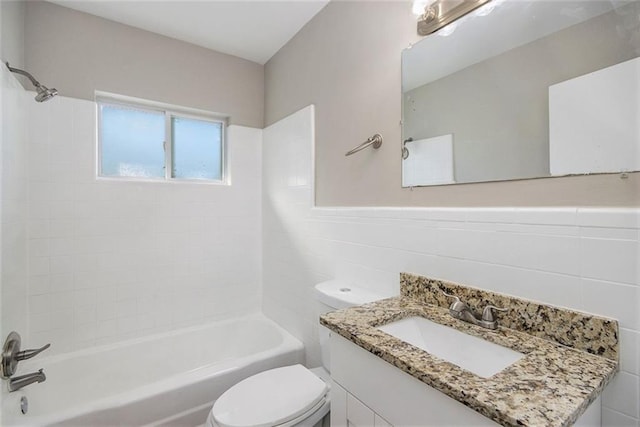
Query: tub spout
x,y
17,383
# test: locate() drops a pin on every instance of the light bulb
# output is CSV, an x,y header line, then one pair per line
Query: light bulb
x,y
419,6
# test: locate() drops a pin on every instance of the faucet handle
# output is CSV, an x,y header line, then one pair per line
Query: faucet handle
x,y
450,296
457,305
487,313
28,354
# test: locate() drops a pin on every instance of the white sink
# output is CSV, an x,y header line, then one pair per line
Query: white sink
x,y
474,354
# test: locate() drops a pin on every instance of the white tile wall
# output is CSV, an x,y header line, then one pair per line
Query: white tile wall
x,y
586,259
110,260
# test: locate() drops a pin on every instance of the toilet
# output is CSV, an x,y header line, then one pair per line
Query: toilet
x,y
291,395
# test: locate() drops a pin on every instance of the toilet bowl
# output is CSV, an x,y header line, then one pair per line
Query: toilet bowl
x,y
282,397
291,395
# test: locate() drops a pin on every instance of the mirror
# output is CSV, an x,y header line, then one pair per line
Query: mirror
x,y
524,89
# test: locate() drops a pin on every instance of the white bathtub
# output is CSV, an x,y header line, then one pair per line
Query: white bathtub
x,y
168,379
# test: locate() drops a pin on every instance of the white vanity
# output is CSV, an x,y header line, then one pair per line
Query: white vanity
x,y
367,391
380,379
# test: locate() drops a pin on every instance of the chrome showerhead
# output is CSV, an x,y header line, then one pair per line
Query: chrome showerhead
x,y
44,93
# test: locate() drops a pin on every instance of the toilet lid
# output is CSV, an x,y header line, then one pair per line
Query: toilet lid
x,y
269,398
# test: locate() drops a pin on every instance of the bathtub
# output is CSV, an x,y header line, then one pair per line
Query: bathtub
x,y
167,379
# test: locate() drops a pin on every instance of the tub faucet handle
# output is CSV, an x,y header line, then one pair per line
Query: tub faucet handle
x,y
11,354
28,354
487,313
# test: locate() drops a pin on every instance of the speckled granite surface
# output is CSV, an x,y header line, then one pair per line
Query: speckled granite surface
x,y
582,331
551,386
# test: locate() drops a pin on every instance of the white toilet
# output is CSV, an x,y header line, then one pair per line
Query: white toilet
x,y
292,395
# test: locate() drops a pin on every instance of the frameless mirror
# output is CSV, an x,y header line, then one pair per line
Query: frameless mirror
x,y
524,89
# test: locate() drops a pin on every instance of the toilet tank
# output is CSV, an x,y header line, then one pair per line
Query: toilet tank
x,y
335,295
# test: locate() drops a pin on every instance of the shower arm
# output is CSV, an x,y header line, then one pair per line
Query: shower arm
x,y
24,73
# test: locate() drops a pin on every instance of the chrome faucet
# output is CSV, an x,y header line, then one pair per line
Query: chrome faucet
x,y
11,355
461,310
16,383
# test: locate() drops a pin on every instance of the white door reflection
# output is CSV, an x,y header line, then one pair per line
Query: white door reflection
x,y
428,160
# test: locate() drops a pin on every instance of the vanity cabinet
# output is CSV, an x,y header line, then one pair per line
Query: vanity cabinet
x,y
351,412
367,391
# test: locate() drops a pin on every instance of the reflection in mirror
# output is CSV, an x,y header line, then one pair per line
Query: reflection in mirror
x,y
524,89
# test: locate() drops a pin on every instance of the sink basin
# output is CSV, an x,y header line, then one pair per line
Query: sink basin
x,y
474,354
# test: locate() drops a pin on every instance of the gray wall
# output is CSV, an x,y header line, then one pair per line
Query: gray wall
x,y
498,109
12,37
346,61
78,53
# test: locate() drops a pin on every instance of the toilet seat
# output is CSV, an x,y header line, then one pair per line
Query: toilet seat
x,y
281,396
308,419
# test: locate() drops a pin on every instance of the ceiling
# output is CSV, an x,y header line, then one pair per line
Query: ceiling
x,y
254,30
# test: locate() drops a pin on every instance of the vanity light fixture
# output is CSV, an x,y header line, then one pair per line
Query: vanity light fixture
x,y
441,13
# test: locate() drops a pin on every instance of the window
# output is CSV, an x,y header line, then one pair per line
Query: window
x,y
140,141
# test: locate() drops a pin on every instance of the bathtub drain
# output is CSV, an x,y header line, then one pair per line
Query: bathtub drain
x,y
24,405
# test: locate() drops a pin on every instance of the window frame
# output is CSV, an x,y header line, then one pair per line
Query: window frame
x,y
169,111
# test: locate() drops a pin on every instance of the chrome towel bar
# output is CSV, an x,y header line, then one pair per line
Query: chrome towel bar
x,y
375,140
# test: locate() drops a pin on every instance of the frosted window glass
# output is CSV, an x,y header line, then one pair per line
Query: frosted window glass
x,y
197,149
132,142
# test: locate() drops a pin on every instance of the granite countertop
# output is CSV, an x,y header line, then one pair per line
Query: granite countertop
x,y
551,386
